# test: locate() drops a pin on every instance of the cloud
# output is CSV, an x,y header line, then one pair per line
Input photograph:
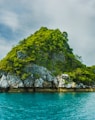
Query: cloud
x,y
20,18
9,19
5,47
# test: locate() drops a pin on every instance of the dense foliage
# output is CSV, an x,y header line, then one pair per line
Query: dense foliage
x,y
48,48
83,75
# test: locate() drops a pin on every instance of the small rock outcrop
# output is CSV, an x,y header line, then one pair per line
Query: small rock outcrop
x,y
39,82
14,81
4,82
62,80
28,82
21,55
58,57
65,82
10,81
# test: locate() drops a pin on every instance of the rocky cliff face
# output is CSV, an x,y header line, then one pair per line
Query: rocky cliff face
x,y
39,77
43,79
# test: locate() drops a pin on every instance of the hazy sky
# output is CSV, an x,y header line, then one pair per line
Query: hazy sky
x,y
20,18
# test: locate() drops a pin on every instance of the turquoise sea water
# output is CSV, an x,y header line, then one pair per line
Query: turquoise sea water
x,y
47,106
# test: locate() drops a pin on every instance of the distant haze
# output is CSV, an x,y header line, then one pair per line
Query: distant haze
x,y
20,18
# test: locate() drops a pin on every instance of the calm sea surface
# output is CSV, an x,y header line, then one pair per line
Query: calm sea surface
x,y
47,106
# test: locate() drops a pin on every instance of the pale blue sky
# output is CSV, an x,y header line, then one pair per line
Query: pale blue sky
x,y
20,18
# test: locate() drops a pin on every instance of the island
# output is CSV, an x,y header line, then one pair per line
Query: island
x,y
44,62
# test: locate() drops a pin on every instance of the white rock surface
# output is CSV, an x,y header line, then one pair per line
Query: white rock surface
x,y
4,82
39,82
62,79
14,81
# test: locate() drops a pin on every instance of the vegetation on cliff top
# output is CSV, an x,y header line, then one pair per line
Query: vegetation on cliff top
x,y
48,48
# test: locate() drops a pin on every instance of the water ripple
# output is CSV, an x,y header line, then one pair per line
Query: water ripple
x,y
47,106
